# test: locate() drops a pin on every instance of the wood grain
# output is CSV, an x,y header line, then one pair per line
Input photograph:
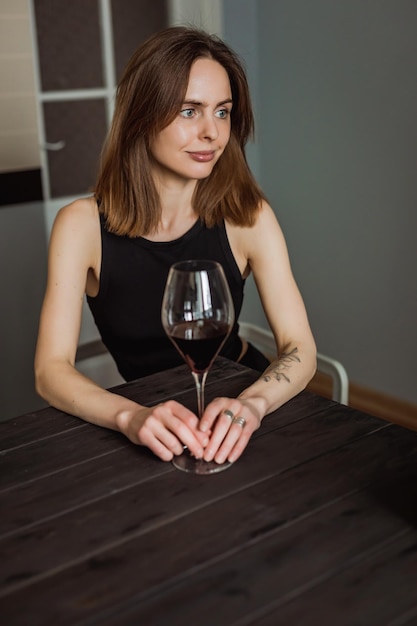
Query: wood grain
x,y
95,530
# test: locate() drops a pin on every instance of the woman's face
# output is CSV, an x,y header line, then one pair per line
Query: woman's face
x,y
189,147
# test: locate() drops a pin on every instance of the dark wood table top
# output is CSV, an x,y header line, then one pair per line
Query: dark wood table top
x,y
315,524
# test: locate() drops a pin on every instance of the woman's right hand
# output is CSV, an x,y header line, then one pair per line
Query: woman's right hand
x,y
165,429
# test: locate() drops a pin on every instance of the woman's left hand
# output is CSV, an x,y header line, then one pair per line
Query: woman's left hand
x,y
232,422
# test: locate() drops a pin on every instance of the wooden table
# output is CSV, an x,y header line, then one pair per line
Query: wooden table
x,y
315,524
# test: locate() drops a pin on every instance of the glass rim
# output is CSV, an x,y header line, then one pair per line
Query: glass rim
x,y
195,265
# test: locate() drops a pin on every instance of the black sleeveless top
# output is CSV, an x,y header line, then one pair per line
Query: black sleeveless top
x,y
127,309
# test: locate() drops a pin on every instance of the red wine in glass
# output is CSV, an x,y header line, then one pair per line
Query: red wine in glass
x,y
199,342
197,315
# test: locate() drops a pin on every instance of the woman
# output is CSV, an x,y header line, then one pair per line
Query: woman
x,y
174,184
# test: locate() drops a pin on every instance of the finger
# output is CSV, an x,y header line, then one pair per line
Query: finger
x,y
220,408
167,411
189,439
164,431
148,439
190,420
203,438
235,442
166,422
221,431
180,411
238,448
168,438
166,443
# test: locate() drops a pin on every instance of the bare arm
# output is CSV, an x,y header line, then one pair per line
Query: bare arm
x,y
263,250
295,364
73,270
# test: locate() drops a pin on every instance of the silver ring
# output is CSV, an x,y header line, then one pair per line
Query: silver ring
x,y
229,414
239,420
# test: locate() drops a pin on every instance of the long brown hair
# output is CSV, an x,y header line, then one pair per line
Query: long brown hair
x,y
147,100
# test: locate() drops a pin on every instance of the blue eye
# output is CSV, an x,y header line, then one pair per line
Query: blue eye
x,y
187,112
223,113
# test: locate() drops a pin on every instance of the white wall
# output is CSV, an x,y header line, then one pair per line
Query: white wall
x,y
336,114
19,140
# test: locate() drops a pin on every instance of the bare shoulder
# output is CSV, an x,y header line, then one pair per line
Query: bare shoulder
x,y
266,220
78,221
260,239
82,213
76,231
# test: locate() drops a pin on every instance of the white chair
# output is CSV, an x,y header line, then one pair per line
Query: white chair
x,y
265,342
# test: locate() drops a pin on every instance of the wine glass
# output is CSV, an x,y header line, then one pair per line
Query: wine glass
x,y
197,315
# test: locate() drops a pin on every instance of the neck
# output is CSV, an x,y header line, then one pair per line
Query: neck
x,y
177,213
176,195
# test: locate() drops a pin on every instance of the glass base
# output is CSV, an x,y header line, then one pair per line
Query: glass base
x,y
186,462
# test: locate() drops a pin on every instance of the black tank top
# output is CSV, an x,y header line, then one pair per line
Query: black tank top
x,y
127,309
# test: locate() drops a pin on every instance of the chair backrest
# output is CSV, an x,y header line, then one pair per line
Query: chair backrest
x,y
264,341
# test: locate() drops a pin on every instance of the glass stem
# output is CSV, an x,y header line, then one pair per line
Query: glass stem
x,y
200,381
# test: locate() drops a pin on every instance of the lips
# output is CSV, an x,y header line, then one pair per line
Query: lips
x,y
202,156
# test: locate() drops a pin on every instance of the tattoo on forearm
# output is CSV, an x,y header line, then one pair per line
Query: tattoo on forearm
x,y
278,369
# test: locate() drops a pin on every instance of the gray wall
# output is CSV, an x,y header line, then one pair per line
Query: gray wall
x,y
336,103
23,263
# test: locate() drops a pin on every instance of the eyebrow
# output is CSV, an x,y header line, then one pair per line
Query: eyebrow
x,y
205,104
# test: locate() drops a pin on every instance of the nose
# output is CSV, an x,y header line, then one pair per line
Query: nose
x,y
209,128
